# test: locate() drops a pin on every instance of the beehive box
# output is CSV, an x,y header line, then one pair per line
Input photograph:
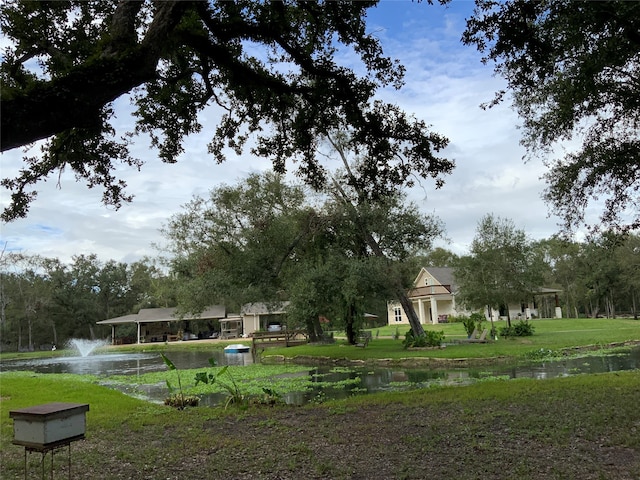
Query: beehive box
x,y
48,425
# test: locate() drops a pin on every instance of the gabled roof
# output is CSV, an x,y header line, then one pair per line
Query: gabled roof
x,y
443,275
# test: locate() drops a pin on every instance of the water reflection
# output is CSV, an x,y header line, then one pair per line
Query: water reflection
x,y
124,363
347,381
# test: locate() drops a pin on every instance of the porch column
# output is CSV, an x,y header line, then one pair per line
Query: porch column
x,y
421,311
434,310
138,333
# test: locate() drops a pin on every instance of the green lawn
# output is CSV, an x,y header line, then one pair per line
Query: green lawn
x,y
584,426
550,334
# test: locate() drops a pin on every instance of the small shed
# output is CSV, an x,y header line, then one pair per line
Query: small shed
x,y
259,316
231,327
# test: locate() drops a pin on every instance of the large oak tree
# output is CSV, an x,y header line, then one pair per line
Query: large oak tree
x,y
270,68
573,68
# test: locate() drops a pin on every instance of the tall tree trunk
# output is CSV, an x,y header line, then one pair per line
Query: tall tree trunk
x,y
314,329
399,290
30,331
350,321
55,334
493,328
410,312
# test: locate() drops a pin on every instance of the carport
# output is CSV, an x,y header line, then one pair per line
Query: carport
x,y
159,315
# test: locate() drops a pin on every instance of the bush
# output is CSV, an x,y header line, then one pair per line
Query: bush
x,y
471,322
429,339
456,319
469,325
521,329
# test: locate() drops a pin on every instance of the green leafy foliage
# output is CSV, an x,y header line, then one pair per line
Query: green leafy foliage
x,y
502,266
431,338
177,397
277,71
469,325
475,320
265,238
573,70
521,329
234,395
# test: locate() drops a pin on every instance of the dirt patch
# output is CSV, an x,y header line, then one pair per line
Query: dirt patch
x,y
557,429
370,443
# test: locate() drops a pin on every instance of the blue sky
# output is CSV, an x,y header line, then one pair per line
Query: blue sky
x,y
445,84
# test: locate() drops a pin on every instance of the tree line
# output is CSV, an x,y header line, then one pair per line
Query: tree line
x,y
266,240
46,302
596,277
572,70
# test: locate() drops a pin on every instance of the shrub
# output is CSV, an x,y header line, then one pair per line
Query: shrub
x,y
469,325
429,339
234,394
470,322
177,397
521,329
478,318
456,318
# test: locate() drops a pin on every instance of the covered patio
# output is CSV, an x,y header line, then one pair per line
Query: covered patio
x,y
164,324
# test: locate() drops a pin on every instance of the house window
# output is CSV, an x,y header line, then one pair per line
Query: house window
x,y
397,314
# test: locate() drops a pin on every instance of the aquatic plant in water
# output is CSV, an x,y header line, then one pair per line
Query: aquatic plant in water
x,y
177,398
234,394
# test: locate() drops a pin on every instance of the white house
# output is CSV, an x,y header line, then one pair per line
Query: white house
x,y
434,299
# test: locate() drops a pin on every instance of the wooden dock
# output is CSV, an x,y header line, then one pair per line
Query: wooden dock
x,y
284,338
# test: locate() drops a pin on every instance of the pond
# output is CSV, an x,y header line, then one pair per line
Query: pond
x,y
124,363
348,381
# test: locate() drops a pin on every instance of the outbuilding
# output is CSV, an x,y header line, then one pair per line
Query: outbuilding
x,y
166,324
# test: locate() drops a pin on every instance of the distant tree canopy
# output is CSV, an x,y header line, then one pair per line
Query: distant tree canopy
x,y
43,301
269,68
264,240
574,71
502,266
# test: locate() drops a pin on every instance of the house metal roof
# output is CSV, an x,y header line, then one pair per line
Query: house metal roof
x,y
155,315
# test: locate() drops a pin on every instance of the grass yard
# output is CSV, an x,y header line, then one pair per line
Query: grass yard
x,y
550,334
580,427
583,427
